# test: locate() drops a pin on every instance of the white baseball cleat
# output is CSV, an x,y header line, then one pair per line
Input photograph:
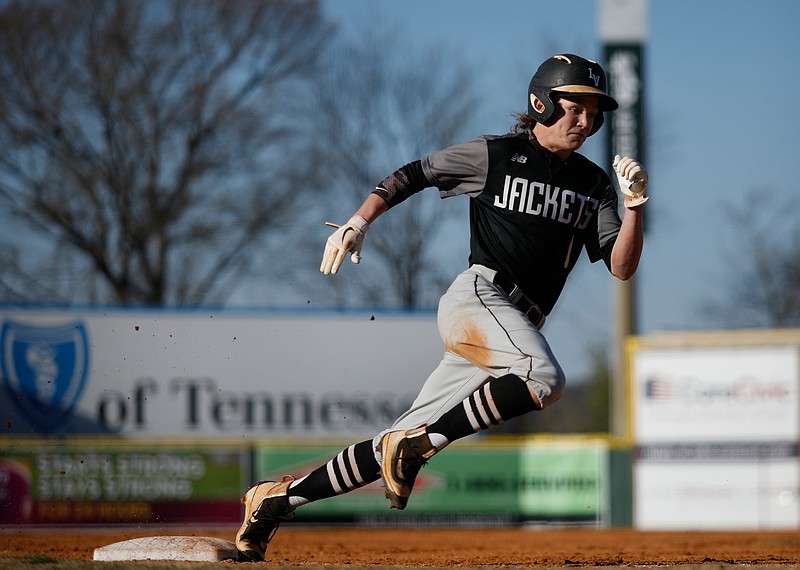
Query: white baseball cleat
x,y
266,506
403,453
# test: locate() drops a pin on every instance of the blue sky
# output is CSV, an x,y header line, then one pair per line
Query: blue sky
x,y
721,81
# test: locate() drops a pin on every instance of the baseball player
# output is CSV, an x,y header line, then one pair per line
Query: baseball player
x,y
535,204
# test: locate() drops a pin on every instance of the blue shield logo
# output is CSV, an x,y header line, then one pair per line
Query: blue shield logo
x,y
44,369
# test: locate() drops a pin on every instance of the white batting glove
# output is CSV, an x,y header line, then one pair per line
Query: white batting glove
x,y
346,239
632,179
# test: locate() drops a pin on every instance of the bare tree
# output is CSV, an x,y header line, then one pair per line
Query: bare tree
x,y
382,108
145,146
764,275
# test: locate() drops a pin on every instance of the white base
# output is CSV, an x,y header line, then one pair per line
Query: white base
x,y
192,548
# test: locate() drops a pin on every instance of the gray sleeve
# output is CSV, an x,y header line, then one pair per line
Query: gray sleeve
x,y
458,169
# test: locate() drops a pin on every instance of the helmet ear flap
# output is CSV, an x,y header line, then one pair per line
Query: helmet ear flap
x,y
540,105
598,122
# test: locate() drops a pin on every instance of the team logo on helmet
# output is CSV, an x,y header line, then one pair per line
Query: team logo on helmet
x,y
44,370
593,77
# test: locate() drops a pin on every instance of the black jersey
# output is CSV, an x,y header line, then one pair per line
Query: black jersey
x,y
531,213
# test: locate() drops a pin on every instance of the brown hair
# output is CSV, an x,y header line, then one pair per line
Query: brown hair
x,y
524,123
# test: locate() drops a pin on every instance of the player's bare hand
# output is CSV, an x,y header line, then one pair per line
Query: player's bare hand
x,y
347,239
632,180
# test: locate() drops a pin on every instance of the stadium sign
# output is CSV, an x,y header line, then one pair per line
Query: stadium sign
x,y
195,373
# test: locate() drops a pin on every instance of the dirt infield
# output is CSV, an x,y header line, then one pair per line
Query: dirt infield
x,y
353,546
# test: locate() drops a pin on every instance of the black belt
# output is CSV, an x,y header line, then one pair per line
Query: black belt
x,y
520,300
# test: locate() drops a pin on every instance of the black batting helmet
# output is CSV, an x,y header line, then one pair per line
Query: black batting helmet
x,y
568,74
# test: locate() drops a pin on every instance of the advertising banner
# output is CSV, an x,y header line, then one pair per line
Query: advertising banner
x,y
566,480
558,480
716,426
231,374
721,393
718,487
99,485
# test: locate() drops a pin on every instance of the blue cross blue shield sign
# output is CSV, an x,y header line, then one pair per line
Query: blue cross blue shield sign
x,y
44,369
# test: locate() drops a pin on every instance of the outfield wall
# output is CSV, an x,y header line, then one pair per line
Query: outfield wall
x,y
112,415
139,416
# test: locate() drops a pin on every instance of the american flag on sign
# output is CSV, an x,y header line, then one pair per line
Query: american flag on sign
x,y
659,388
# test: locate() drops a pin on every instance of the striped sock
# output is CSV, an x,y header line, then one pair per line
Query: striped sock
x,y
496,401
350,469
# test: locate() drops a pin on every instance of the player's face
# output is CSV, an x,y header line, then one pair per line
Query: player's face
x,y
571,124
